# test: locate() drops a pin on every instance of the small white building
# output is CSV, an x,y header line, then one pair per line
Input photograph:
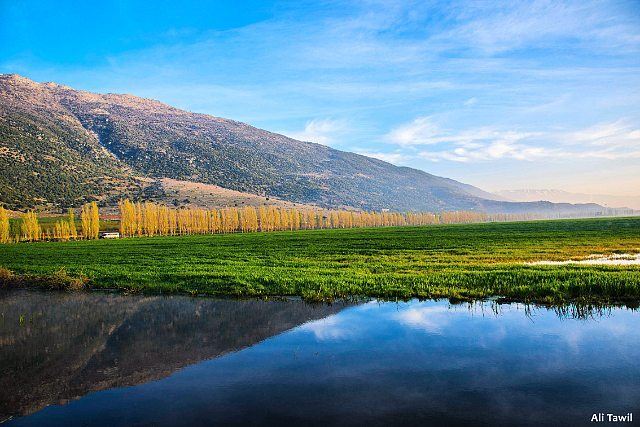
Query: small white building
x,y
109,235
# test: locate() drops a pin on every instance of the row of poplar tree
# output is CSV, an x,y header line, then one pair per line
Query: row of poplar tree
x,y
150,219
29,228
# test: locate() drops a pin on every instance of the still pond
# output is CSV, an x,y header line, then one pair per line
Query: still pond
x,y
114,360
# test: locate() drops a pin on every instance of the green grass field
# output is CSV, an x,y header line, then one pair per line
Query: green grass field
x,y
453,261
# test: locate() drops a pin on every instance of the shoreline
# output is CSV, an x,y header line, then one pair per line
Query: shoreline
x,y
61,281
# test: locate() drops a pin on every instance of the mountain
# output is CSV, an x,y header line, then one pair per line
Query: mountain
x,y
60,146
560,196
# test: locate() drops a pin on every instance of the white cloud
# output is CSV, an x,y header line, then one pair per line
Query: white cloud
x,y
614,140
614,134
420,131
395,157
329,329
431,319
321,131
505,146
425,131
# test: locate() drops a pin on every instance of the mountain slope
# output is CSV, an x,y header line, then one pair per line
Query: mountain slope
x,y
46,155
64,145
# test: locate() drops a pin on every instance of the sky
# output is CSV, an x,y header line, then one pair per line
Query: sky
x,y
501,95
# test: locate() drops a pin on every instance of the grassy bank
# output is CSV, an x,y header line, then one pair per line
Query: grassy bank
x,y
454,261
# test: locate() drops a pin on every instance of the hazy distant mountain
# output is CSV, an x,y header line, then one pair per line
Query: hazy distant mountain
x,y
560,196
59,146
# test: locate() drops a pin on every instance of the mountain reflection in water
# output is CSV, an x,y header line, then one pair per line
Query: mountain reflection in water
x,y
60,346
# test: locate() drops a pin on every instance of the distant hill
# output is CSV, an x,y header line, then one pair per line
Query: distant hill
x,y
59,147
560,196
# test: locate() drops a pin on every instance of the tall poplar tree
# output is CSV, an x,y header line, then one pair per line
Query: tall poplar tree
x,y
4,226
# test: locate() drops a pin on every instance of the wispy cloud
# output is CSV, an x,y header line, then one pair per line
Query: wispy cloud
x,y
614,140
321,131
493,150
396,157
426,131
328,329
618,134
471,101
420,131
430,319
493,29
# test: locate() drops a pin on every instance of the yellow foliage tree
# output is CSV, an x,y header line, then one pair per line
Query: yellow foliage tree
x,y
30,227
73,231
62,230
85,221
149,219
128,218
4,226
95,220
90,219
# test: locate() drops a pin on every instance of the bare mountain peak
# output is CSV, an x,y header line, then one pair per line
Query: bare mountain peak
x,y
16,78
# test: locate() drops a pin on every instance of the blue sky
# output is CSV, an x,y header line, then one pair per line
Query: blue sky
x,y
500,95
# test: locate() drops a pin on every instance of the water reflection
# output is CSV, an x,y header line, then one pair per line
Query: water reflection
x,y
60,346
428,363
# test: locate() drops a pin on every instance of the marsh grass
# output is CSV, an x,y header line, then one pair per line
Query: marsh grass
x,y
460,262
58,280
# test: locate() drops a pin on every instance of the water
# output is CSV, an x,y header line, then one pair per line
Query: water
x,y
100,359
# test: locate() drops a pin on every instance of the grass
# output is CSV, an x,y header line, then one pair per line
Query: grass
x,y
445,261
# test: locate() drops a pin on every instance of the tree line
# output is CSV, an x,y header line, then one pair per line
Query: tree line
x,y
152,219
29,229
